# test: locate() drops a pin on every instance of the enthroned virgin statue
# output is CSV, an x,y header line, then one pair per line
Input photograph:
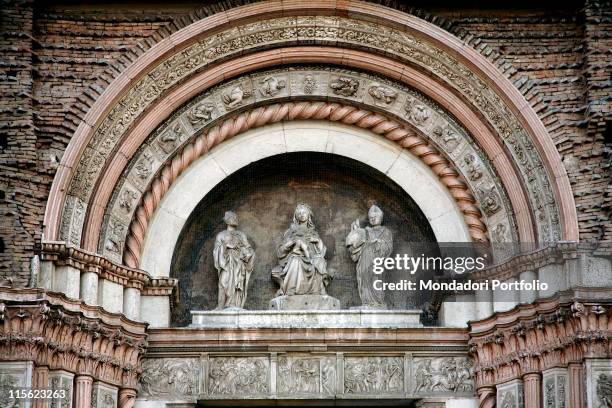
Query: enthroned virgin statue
x,y
302,269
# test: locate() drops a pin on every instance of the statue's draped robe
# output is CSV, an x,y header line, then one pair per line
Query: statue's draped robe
x,y
233,257
378,243
302,274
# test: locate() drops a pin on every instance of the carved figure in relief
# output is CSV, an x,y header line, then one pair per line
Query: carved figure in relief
x,y
345,86
366,244
164,377
233,376
449,138
271,86
310,84
382,93
328,376
302,269
200,113
472,167
234,259
500,233
170,138
108,401
424,376
604,390
451,375
490,200
299,375
235,97
418,112
126,200
373,374
116,230
144,165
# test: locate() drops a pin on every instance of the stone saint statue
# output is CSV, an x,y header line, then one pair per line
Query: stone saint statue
x,y
234,258
364,245
302,269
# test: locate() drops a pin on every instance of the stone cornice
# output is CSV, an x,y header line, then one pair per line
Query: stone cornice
x,y
64,334
176,339
67,254
162,286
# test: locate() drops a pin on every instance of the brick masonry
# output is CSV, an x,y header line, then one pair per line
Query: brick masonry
x,y
56,61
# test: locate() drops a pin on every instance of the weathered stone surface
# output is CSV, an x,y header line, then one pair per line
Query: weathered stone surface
x,y
305,302
287,318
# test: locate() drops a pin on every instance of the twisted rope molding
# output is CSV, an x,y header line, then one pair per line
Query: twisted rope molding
x,y
270,114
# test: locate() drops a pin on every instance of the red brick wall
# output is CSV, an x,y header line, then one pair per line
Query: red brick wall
x,y
57,60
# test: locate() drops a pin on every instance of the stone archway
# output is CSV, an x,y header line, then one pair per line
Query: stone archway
x,y
178,203
500,105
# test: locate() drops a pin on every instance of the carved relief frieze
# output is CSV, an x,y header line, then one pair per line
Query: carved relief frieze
x,y
299,375
245,376
170,378
443,375
373,375
345,32
344,86
443,131
382,94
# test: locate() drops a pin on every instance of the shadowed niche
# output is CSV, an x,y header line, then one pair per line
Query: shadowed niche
x,y
264,195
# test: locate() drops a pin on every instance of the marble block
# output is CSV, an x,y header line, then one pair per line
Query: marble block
x,y
240,318
305,302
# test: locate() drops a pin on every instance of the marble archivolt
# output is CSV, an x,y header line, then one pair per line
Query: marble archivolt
x,y
436,128
345,33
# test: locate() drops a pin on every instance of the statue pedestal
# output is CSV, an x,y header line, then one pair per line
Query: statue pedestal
x,y
311,319
305,302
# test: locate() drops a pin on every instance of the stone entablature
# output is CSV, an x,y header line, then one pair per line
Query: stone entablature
x,y
59,334
305,364
520,348
62,253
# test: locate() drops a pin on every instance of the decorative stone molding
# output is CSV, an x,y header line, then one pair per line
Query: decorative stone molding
x,y
63,253
379,41
552,254
298,110
50,330
162,286
300,375
549,333
195,134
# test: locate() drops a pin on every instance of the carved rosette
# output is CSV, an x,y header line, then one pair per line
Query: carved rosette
x,y
345,33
